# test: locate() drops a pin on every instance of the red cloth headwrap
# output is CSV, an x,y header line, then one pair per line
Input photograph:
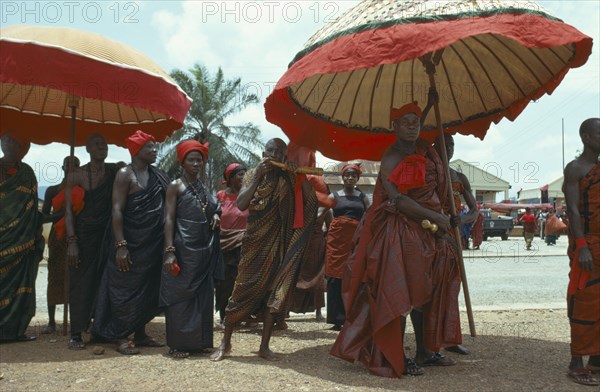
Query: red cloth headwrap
x,y
188,146
138,140
354,167
412,107
228,171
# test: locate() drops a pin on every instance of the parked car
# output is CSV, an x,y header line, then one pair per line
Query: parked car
x,y
499,226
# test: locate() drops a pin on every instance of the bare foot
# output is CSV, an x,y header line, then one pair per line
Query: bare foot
x,y
220,353
268,355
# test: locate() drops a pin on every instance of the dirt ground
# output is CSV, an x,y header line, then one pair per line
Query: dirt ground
x,y
516,350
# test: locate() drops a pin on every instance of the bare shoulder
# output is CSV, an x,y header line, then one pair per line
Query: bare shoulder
x,y
462,178
123,175
574,171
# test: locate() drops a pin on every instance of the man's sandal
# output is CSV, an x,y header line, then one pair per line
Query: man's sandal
x,y
148,342
583,377
176,354
411,368
437,359
127,348
76,343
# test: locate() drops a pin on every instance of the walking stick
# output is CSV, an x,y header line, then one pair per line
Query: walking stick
x,y
430,64
73,103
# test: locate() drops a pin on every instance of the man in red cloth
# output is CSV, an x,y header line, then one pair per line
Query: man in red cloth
x,y
529,227
392,264
582,193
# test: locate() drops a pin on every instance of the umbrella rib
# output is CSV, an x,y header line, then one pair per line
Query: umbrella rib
x,y
510,75
486,74
311,90
44,101
541,61
377,78
24,104
326,92
64,112
102,111
8,92
356,97
337,104
558,56
520,59
412,81
462,60
119,112
135,113
394,88
452,90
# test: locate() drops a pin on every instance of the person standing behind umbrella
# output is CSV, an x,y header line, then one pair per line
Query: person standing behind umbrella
x,y
233,228
57,247
128,294
85,234
192,259
582,194
350,206
21,241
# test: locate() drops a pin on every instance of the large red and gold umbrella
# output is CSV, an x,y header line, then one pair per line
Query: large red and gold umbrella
x,y
493,58
63,85
45,72
486,59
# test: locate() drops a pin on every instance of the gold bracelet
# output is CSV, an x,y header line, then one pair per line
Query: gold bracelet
x,y
120,244
170,249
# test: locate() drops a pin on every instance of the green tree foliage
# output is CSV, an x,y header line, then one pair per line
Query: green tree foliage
x,y
215,100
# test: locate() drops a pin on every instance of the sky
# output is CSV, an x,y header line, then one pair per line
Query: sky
x,y
256,40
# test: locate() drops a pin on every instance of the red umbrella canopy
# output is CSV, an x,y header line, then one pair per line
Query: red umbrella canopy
x,y
339,91
117,90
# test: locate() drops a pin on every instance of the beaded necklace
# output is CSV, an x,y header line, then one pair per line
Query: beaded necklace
x,y
198,193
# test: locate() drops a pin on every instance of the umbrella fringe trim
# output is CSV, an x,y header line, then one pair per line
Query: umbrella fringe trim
x,y
119,65
417,20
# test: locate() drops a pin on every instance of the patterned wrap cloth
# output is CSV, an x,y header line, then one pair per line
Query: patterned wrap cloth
x,y
21,249
272,250
583,305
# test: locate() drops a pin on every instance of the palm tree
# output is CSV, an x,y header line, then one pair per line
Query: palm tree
x,y
215,99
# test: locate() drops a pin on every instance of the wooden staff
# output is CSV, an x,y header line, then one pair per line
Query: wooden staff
x,y
315,171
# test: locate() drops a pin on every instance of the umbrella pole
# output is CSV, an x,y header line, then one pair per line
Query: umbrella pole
x,y
66,280
430,69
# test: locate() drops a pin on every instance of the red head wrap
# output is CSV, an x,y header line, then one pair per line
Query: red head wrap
x,y
230,169
188,146
412,107
354,167
138,140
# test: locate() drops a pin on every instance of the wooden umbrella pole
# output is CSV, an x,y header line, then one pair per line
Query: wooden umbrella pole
x,y
430,69
66,288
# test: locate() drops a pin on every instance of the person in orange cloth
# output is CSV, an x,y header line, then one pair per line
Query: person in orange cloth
x,y
581,187
350,207
391,267
54,200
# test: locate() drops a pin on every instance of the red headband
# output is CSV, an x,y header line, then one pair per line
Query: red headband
x,y
188,146
138,140
229,170
354,167
412,107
